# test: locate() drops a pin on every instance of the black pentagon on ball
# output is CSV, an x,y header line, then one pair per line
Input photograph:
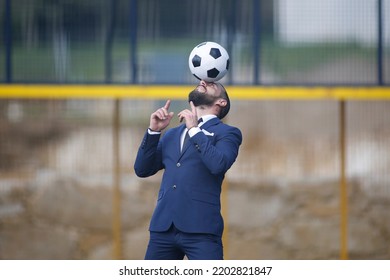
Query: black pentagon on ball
x,y
196,60
212,73
227,64
214,52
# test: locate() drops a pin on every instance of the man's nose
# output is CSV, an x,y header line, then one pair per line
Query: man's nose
x,y
203,83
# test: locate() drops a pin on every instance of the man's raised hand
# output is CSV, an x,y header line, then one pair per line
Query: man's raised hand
x,y
190,116
161,118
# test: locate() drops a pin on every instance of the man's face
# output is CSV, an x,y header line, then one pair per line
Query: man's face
x,y
213,89
205,93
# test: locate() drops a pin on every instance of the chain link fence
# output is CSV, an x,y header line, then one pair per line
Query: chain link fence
x,y
58,160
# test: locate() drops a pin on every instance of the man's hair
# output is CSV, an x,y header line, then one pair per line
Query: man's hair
x,y
224,110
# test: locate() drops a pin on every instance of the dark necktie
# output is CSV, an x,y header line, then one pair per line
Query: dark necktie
x,y
188,135
185,140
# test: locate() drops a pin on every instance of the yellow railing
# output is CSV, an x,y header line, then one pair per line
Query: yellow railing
x,y
180,92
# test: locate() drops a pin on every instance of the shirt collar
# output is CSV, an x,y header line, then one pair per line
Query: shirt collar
x,y
207,118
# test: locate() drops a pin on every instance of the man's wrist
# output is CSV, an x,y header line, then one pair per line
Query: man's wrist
x,y
151,131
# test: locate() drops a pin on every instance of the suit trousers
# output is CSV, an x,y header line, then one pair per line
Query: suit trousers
x,y
175,244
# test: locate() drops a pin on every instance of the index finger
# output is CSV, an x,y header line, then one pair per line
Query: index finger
x,y
193,109
166,106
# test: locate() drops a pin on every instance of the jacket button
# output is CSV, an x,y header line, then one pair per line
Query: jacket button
x,y
174,186
178,164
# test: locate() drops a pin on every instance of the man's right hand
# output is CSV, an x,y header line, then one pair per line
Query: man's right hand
x,y
161,118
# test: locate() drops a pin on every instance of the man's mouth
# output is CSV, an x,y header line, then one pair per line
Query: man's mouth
x,y
201,86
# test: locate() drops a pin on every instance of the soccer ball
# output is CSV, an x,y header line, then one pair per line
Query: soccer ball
x,y
209,61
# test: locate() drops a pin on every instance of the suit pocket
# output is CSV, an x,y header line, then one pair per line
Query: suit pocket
x,y
209,198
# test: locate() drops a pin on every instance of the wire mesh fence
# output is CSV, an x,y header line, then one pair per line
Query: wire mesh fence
x,y
270,42
58,160
56,163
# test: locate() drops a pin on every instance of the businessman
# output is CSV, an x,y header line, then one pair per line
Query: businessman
x,y
195,156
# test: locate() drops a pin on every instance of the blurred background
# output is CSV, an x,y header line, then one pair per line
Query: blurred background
x,y
312,177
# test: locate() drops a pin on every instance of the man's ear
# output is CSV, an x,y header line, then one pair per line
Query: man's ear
x,y
221,102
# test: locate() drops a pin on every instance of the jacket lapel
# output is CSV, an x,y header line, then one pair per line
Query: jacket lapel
x,y
208,124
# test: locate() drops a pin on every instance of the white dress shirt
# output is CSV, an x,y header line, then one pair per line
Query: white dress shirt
x,y
191,132
196,129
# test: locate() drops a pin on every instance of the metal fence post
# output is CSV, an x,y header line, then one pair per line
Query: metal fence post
x,y
133,41
343,184
256,41
231,27
116,198
380,43
116,201
8,41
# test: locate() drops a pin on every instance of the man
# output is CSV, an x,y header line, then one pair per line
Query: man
x,y
187,219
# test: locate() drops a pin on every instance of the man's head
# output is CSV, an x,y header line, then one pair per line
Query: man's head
x,y
212,96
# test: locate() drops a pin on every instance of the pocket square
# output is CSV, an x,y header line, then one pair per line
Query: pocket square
x,y
207,133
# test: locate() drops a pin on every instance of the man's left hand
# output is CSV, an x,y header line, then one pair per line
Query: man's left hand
x,y
190,116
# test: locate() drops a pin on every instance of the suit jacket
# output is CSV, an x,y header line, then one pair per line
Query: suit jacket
x,y
189,195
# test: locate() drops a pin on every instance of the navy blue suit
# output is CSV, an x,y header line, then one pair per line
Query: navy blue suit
x,y
189,195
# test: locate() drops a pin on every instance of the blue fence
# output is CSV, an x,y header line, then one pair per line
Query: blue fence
x,y
280,42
